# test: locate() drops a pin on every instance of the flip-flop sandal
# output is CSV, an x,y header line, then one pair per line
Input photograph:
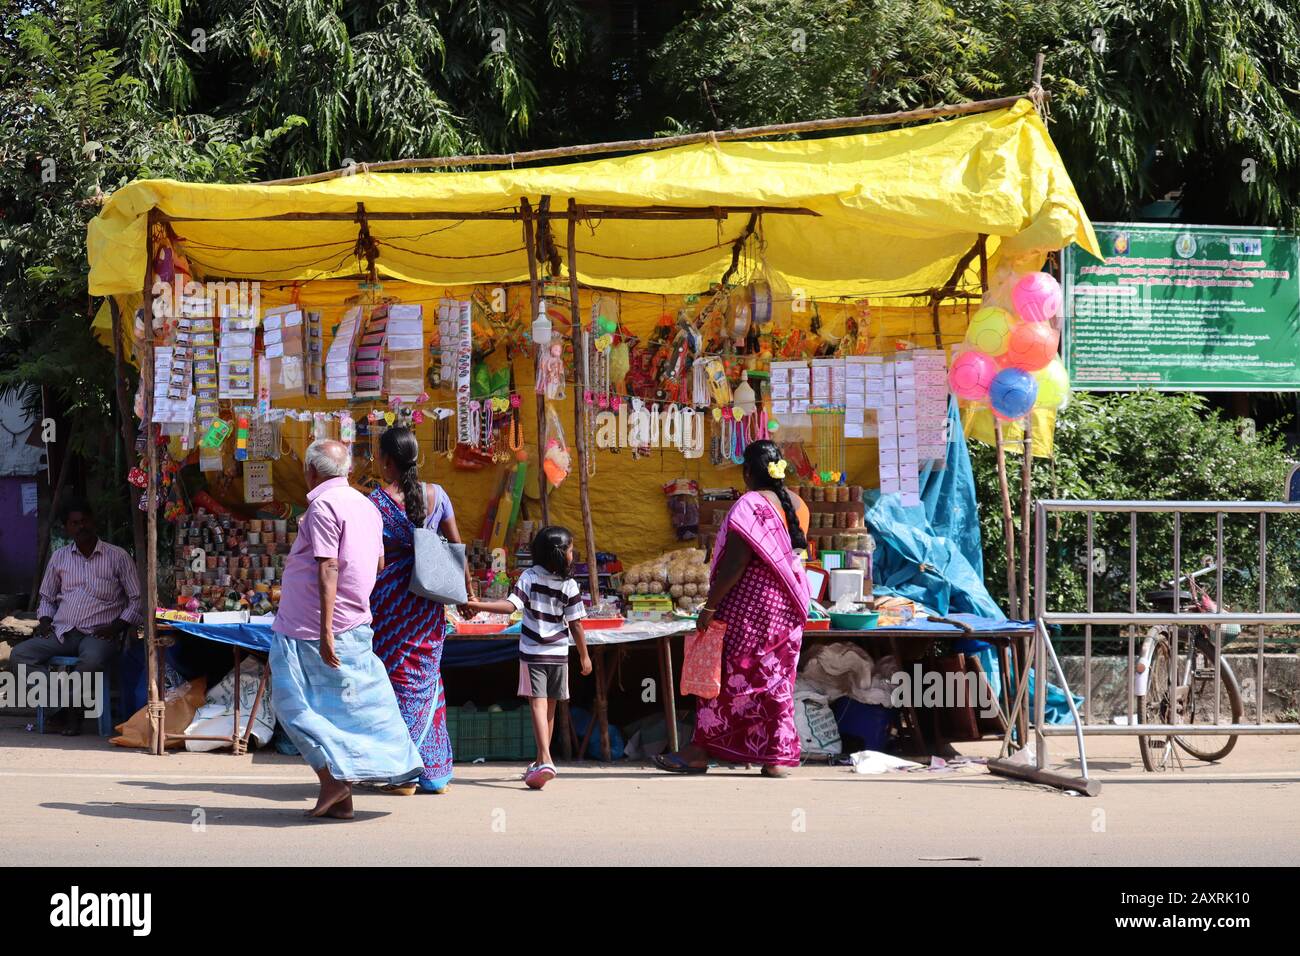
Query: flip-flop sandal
x,y
775,772
540,776
672,763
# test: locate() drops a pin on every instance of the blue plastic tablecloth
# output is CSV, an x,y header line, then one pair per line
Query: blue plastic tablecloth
x,y
257,637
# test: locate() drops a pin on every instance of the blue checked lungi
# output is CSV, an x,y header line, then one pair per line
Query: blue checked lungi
x,y
345,719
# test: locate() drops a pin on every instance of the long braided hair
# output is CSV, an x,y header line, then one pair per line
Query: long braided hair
x,y
758,455
400,445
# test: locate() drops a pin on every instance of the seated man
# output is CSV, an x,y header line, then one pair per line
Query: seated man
x,y
90,595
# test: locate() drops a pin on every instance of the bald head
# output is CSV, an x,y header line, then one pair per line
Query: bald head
x,y
326,459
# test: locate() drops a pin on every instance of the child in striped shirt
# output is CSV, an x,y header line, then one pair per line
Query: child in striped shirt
x,y
552,608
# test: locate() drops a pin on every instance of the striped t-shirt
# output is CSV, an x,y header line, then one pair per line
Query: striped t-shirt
x,y
549,603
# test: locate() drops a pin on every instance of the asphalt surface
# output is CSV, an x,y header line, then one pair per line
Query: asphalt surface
x,y
80,801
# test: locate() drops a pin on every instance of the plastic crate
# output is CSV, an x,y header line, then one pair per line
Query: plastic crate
x,y
507,735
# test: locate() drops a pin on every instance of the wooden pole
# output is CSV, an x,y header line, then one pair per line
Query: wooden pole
x,y
150,583
580,409
665,142
1026,499
535,298
1008,521
125,417
595,211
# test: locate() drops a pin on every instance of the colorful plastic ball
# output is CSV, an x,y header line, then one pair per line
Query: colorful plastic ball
x,y
990,330
1053,385
1031,347
1013,392
1036,297
971,375
773,425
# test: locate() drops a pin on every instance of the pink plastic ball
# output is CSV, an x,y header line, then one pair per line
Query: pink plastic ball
x,y
1036,297
1032,346
971,375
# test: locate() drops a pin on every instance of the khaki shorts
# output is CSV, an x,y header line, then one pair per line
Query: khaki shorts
x,y
550,681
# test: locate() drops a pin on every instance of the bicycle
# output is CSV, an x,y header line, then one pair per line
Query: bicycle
x,y
1192,700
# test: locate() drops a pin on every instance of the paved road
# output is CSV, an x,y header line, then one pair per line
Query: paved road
x,y
81,801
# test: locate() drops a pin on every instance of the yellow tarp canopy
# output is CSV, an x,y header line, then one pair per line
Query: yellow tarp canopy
x,y
895,210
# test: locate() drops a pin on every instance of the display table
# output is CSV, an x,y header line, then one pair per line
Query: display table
x,y
1006,636
486,648
241,638
615,640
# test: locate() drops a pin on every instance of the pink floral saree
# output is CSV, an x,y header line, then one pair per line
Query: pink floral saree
x,y
752,718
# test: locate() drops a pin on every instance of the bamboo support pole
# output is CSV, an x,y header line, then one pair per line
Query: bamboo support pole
x,y
580,409
1026,502
667,142
1008,521
535,299
595,212
158,738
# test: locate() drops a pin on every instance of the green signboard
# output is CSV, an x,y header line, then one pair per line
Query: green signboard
x,y
1183,308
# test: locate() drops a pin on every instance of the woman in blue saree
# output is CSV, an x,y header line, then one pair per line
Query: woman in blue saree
x,y
409,629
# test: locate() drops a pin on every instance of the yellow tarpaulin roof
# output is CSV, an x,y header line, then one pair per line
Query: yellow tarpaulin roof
x,y
895,211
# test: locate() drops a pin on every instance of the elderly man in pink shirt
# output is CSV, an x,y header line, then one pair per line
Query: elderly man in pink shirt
x,y
330,692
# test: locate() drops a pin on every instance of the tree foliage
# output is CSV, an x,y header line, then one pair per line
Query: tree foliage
x,y
1196,98
1149,446
76,125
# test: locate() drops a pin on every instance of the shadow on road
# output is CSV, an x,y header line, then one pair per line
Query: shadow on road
x,y
279,792
183,814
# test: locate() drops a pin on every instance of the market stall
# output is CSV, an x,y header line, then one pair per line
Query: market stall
x,y
634,319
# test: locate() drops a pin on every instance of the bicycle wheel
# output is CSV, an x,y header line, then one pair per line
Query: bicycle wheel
x,y
1199,708
1156,707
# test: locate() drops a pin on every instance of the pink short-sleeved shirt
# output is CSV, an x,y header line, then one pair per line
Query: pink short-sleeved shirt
x,y
340,523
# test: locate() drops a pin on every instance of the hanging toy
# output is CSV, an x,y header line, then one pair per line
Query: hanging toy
x,y
241,438
550,373
555,459
216,434
620,363
719,386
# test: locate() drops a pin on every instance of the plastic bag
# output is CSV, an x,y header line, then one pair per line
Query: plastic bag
x,y
702,661
819,734
180,703
555,459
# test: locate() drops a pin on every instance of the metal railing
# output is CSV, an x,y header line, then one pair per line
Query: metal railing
x,y
1134,618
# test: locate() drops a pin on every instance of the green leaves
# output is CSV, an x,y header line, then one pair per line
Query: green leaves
x,y
1148,446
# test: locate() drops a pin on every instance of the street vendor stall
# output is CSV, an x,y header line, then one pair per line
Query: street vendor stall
x,y
652,309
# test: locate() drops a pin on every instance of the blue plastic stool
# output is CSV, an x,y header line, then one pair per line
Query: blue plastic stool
x,y
105,715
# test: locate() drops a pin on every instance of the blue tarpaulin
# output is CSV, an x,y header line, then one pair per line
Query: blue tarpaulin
x,y
932,554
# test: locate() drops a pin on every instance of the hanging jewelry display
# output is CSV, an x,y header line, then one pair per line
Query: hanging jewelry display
x,y
516,437
466,434
692,432
588,397
472,422
442,443
700,382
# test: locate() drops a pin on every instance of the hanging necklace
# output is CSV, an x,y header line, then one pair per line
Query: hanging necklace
x,y
516,440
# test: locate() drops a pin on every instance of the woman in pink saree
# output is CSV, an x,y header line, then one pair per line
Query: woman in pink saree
x,y
757,587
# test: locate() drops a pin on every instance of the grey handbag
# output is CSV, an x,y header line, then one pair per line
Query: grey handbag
x,y
439,571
